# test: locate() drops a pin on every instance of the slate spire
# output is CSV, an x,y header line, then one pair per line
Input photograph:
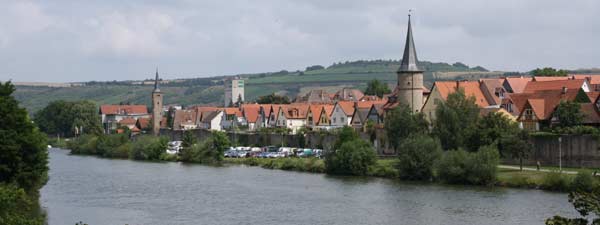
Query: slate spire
x,y
156,89
410,63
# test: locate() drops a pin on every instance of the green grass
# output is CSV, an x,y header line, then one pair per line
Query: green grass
x,y
556,168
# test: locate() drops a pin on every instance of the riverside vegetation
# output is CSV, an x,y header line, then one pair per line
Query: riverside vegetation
x,y
23,163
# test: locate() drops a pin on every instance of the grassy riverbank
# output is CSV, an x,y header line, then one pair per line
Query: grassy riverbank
x,y
386,168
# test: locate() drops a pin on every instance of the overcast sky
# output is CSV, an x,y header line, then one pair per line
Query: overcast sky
x,y
74,40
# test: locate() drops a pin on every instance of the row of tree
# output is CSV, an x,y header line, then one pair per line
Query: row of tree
x,y
68,119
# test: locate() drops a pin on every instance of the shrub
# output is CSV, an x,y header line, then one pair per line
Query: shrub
x,y
452,167
417,157
85,144
555,181
148,147
352,158
16,205
168,157
483,165
107,143
584,181
461,167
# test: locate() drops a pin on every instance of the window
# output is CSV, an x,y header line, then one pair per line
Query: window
x,y
528,113
334,120
342,119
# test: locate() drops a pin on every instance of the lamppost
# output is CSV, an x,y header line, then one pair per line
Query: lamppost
x,y
560,154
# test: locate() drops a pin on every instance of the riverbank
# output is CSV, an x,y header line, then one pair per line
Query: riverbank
x,y
386,168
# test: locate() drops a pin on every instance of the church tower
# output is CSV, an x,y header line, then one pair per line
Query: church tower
x,y
157,103
410,76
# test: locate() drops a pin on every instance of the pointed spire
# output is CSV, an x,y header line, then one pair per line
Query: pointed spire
x,y
156,82
410,63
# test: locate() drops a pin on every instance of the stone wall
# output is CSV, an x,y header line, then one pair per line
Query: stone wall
x,y
576,151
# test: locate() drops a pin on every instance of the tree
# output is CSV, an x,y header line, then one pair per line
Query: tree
x,y
462,167
220,142
490,129
417,157
375,87
352,158
569,114
550,72
586,203
64,118
346,134
401,122
315,67
188,140
456,119
239,100
170,117
23,161
273,99
582,97
516,146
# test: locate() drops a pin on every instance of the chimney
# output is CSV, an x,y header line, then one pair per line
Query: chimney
x,y
564,90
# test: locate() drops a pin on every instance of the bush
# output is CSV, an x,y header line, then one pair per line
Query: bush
x,y
584,181
384,169
148,147
85,144
555,181
352,158
16,205
461,167
417,157
106,144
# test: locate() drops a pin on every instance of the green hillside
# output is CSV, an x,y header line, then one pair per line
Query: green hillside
x,y
210,90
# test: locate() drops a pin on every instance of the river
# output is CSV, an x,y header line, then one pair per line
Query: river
x,y
103,191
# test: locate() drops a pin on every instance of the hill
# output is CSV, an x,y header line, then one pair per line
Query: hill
x,y
210,90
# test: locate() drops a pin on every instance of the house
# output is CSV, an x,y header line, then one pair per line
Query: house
x,y
253,115
322,122
441,90
536,110
359,118
292,116
233,117
185,119
112,114
591,116
347,94
316,96
376,114
492,90
212,120
128,122
313,116
342,114
515,84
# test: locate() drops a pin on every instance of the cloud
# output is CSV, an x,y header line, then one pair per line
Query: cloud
x,y
133,34
70,40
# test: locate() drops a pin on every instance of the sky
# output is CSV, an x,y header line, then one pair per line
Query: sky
x,y
74,40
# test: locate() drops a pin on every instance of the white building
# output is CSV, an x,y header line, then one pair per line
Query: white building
x,y
342,114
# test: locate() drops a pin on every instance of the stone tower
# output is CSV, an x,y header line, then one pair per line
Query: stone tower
x,y
410,76
157,103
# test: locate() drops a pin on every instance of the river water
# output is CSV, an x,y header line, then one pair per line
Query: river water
x,y
103,191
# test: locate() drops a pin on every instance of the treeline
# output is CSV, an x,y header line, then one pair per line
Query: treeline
x,y
429,66
68,119
23,163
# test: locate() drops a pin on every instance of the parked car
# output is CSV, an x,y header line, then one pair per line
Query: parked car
x,y
230,154
242,154
255,149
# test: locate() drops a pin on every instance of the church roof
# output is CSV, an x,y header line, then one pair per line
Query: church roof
x,y
156,89
410,63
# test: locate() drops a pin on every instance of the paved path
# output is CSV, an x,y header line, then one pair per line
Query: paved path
x,y
533,169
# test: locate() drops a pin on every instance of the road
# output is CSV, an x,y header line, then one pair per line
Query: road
x,y
532,169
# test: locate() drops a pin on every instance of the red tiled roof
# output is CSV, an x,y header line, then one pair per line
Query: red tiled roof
x,y
347,106
296,111
549,99
251,112
471,88
232,111
535,86
143,123
543,78
123,109
592,78
128,121
517,84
